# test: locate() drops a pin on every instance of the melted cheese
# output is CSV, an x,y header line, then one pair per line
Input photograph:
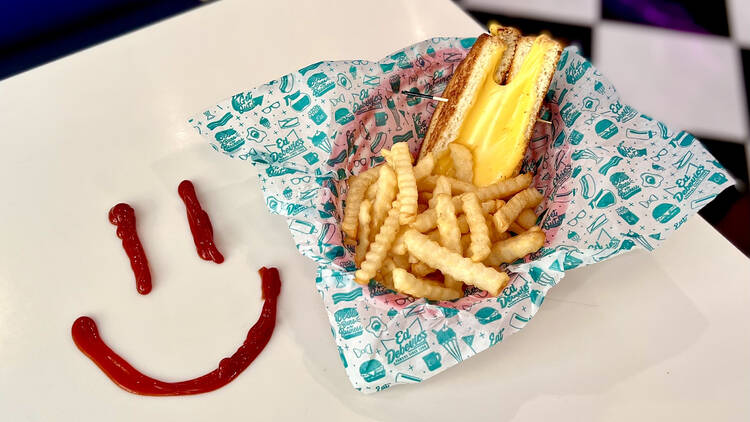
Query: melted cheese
x,y
494,126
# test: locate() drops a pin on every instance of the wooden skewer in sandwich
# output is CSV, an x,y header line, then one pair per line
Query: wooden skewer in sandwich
x,y
494,98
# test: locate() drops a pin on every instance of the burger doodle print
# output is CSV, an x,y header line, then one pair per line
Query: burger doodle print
x,y
613,180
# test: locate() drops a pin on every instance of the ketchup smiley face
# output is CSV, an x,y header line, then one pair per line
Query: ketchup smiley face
x,y
86,336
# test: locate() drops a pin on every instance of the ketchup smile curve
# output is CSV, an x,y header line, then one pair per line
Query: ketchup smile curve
x,y
200,224
123,216
86,337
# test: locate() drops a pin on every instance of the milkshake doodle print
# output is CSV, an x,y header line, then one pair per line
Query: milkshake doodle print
x,y
613,180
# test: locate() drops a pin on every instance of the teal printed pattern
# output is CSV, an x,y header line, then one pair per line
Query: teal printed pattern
x,y
613,180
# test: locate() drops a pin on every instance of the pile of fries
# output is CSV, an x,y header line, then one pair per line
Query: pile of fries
x,y
426,235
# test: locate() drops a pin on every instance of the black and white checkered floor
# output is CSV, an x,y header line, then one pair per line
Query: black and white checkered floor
x,y
687,62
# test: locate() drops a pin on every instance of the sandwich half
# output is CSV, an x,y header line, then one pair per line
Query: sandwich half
x,y
494,98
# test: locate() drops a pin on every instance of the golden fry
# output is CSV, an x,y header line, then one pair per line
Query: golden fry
x,y
357,188
527,218
401,261
463,224
398,247
447,224
463,163
505,188
457,186
386,272
372,190
427,220
420,269
527,198
379,248
480,235
364,231
515,228
465,242
424,167
400,159
407,283
454,265
507,251
386,192
442,186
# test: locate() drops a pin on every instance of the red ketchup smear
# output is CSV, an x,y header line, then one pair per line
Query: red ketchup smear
x,y
200,224
86,337
123,216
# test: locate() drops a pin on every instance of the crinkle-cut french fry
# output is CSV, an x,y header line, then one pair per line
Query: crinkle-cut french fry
x,y
386,272
454,265
489,221
463,162
372,190
452,283
427,220
425,197
447,224
386,193
526,218
504,188
406,282
399,247
494,234
379,248
357,188
509,212
424,167
457,186
422,207
388,156
487,206
507,251
401,261
442,186
364,231
480,235
515,228
463,224
465,243
420,269
400,159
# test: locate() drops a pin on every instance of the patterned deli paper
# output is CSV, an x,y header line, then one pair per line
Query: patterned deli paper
x,y
613,179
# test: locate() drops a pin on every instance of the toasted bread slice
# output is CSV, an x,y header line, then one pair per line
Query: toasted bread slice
x,y
466,90
464,85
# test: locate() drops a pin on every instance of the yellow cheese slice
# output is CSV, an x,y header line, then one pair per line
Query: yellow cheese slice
x,y
495,127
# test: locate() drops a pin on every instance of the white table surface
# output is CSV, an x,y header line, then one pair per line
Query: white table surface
x,y
659,336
